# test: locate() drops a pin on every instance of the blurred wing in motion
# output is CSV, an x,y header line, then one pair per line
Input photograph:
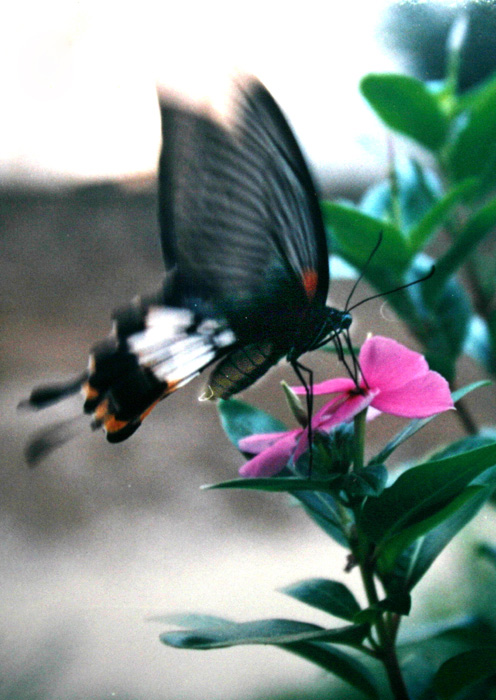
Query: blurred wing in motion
x,y
247,267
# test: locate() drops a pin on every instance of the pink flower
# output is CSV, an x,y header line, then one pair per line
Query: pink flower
x,y
394,380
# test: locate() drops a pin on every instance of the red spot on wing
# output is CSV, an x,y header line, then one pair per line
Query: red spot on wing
x,y
310,279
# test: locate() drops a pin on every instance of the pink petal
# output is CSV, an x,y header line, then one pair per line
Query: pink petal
x,y
419,398
256,443
387,365
330,386
342,411
273,459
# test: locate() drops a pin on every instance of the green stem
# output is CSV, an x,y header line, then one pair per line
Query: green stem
x,y
359,442
386,634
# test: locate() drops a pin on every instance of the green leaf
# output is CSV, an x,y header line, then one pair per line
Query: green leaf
x,y
275,631
332,597
240,420
415,425
465,669
355,234
406,105
369,481
464,445
475,230
287,484
441,319
473,150
436,216
423,491
399,603
323,509
393,547
413,564
337,662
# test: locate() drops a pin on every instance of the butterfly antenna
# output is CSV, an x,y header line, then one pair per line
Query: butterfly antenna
x,y
396,289
362,273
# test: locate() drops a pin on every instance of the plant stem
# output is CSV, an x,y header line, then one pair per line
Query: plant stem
x,y
386,637
386,634
359,442
466,419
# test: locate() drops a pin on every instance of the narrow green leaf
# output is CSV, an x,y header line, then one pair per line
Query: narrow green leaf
x,y
337,662
240,420
332,597
465,669
414,563
275,631
475,230
406,105
473,149
390,550
422,491
287,484
415,425
355,234
464,445
420,234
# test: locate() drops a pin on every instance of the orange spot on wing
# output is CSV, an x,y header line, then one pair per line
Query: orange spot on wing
x,y
310,279
112,425
89,392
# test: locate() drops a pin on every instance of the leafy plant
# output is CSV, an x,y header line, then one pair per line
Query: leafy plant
x,y
393,527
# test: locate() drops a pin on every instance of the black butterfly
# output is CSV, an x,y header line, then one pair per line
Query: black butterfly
x,y
247,268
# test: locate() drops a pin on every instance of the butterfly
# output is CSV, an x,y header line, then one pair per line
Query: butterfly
x,y
247,268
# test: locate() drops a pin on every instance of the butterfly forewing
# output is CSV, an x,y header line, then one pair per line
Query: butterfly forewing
x,y
239,213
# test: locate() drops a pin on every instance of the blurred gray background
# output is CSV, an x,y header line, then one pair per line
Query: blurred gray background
x,y
100,538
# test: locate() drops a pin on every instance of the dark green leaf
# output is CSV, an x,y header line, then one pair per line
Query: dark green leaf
x,y
475,230
399,603
423,491
415,425
464,445
287,484
324,510
370,481
332,597
406,105
397,544
355,234
436,216
276,631
415,562
464,670
442,316
240,420
473,150
337,662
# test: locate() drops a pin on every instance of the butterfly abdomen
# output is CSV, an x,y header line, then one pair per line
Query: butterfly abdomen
x,y
241,368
